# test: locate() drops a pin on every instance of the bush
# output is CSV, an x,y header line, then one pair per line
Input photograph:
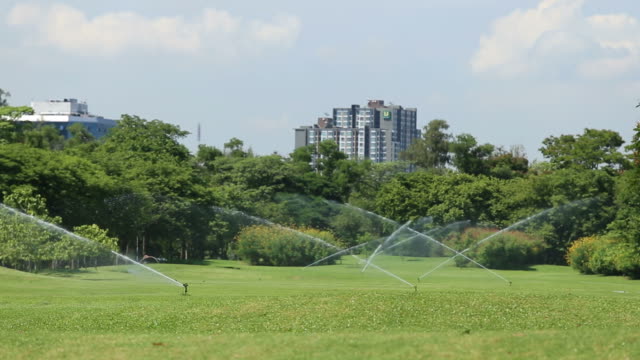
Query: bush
x,y
273,246
579,254
626,259
604,255
508,250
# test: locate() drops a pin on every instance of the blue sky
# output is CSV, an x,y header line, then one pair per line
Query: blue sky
x,y
507,72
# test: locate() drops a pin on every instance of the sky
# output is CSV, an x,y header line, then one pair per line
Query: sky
x,y
507,72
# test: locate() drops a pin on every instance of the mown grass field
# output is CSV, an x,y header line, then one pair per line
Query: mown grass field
x,y
234,311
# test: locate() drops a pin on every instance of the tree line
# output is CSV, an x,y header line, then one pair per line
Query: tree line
x,y
146,190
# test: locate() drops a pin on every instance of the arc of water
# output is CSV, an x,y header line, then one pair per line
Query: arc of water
x,y
457,253
264,221
78,237
382,239
267,222
432,231
386,241
386,272
336,254
461,253
371,213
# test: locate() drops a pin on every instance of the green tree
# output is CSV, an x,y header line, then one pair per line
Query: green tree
x,y
14,112
508,164
432,150
582,203
207,155
79,135
25,199
44,137
627,222
149,140
169,188
469,157
234,148
10,130
3,97
375,176
446,198
594,149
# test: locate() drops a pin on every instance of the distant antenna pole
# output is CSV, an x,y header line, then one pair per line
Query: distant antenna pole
x,y
198,140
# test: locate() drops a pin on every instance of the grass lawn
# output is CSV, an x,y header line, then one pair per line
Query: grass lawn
x,y
234,311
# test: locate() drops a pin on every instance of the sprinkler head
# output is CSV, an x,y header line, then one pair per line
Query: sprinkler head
x,y
185,288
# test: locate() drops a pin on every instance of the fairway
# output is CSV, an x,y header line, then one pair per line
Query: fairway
x,y
327,312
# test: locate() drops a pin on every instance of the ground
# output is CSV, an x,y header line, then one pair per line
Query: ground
x,y
235,311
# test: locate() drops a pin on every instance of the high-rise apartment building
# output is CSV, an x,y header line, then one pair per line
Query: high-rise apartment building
x,y
377,131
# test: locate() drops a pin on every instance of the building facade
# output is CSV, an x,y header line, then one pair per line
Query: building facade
x,y
63,113
377,131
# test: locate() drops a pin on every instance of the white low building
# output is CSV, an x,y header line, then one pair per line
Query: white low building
x,y
63,113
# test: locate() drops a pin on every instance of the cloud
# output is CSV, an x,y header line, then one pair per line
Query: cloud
x,y
111,34
556,35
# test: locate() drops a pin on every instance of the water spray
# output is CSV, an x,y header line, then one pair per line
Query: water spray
x,y
312,238
426,236
80,238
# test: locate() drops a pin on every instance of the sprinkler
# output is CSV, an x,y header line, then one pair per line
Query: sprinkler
x,y
185,288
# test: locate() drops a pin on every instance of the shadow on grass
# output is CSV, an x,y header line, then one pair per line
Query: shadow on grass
x,y
64,272
514,268
102,279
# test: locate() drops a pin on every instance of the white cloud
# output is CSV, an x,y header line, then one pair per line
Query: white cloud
x,y
71,30
556,34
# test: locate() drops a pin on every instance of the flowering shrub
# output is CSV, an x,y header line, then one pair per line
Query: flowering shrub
x,y
604,255
508,250
270,245
580,252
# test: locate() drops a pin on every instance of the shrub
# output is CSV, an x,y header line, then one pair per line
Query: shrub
x,y
626,260
508,250
273,246
579,254
604,255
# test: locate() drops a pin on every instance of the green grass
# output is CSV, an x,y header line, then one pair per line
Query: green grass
x,y
234,311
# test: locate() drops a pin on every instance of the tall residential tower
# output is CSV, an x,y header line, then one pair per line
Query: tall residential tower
x,y
375,131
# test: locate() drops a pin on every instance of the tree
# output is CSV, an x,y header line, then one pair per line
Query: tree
x,y
446,198
328,157
44,137
634,147
508,164
206,156
234,147
469,157
3,97
149,140
594,149
79,135
432,150
366,189
14,112
627,222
